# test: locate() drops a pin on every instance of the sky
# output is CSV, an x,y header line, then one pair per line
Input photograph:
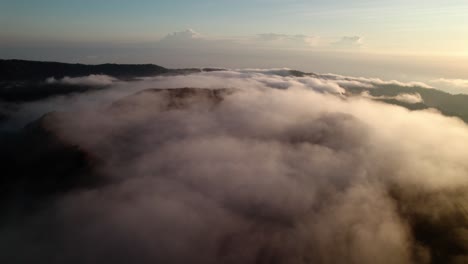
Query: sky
x,y
416,39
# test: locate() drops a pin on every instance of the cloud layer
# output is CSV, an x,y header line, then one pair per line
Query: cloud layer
x,y
280,78
276,169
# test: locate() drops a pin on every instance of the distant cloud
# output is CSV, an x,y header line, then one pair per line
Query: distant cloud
x,y
454,86
348,42
371,82
188,34
91,80
293,40
188,38
192,39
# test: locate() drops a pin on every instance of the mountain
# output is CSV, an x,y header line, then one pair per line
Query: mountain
x,y
23,81
21,70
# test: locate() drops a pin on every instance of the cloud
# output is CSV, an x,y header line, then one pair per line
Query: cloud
x,y
409,98
289,40
454,86
348,42
91,80
186,35
189,39
278,78
192,39
371,82
272,78
276,170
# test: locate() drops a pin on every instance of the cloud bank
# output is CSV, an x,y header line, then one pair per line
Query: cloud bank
x,y
274,169
280,78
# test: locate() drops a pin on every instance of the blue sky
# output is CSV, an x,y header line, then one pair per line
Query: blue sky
x,y
81,30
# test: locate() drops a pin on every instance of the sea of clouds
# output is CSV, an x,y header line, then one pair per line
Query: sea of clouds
x,y
281,78
277,169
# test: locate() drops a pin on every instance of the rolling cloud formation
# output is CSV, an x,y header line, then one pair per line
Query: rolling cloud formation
x,y
252,166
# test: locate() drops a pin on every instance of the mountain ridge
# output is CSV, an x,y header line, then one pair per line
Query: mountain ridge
x,y
25,70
